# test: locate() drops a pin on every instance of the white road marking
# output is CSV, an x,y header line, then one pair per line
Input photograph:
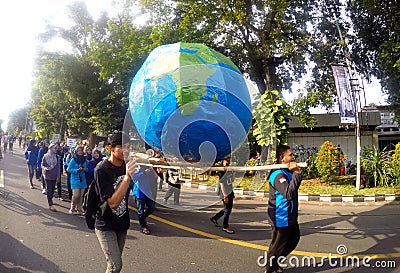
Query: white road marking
x,y
1,179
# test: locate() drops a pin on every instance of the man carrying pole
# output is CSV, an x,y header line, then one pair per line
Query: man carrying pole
x,y
283,208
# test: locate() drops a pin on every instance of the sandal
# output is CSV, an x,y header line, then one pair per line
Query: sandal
x,y
146,231
228,230
214,222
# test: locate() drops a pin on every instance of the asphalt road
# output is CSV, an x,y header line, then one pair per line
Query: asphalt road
x,y
34,239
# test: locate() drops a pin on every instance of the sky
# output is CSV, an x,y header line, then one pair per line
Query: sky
x,y
23,20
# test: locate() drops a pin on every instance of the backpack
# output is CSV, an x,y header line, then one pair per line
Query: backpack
x,y
91,203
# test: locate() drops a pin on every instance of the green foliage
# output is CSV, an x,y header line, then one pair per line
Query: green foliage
x,y
377,166
252,162
272,116
268,40
274,42
311,171
87,90
17,121
278,42
329,160
395,162
376,40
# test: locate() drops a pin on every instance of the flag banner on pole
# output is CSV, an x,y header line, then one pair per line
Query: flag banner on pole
x,y
347,108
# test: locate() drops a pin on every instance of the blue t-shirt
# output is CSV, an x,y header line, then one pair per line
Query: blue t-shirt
x,y
143,182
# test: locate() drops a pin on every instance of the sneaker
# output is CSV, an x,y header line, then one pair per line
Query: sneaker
x,y
146,231
52,208
215,222
60,198
44,191
82,212
32,187
71,211
228,230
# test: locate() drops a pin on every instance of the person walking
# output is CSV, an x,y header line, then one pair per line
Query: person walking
x,y
51,172
60,156
96,159
77,167
143,184
31,154
225,192
67,158
87,150
283,208
19,141
113,178
5,143
174,187
44,147
11,140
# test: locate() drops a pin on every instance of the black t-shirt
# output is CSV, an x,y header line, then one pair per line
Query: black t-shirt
x,y
108,178
175,174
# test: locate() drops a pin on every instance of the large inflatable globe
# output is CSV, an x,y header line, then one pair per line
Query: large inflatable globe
x,y
190,102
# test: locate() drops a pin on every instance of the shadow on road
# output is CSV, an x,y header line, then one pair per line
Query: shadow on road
x,y
17,258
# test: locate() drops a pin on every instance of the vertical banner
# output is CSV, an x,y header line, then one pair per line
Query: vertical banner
x,y
347,108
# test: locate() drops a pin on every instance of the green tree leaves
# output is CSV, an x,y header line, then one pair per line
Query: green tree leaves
x,y
272,117
87,90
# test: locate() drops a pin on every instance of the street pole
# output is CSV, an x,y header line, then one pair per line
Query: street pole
x,y
354,89
358,142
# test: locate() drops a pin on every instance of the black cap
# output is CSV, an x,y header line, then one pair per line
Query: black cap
x,y
115,138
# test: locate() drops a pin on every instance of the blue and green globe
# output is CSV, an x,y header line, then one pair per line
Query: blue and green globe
x,y
191,102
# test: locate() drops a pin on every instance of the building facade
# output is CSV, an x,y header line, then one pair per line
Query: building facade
x,y
328,128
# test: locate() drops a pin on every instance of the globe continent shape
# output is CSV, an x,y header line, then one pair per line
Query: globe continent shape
x,y
191,102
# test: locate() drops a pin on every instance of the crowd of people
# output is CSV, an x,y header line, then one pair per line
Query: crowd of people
x,y
8,140
47,161
115,179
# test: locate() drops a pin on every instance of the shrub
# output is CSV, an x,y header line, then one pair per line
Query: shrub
x,y
311,170
329,160
377,166
396,165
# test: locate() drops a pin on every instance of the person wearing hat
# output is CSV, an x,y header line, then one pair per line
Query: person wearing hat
x,y
112,178
51,172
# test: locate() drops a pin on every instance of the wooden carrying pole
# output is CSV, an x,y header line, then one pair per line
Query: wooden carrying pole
x,y
230,168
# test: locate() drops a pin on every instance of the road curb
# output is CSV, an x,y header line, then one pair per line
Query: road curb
x,y
330,198
310,198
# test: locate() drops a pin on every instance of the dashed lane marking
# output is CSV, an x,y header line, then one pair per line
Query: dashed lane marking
x,y
261,247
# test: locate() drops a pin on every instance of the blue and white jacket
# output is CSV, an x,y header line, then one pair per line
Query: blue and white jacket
x,y
283,198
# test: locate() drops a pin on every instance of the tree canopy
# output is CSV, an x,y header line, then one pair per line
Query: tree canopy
x,y
275,43
376,43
